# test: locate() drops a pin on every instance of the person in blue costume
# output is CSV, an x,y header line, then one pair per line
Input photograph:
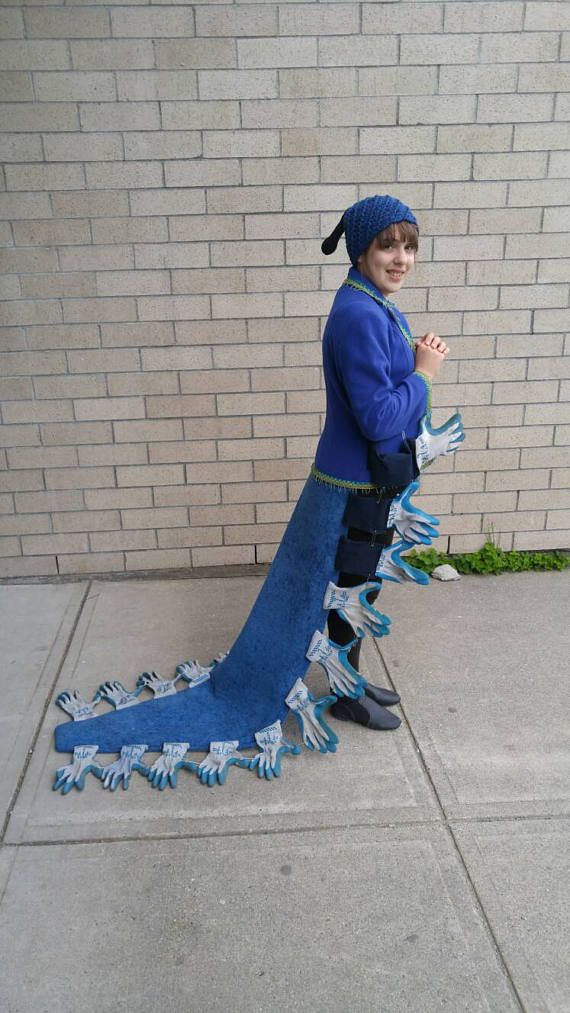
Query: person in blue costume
x,y
378,384
347,535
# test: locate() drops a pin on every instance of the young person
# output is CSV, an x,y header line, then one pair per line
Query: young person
x,y
378,384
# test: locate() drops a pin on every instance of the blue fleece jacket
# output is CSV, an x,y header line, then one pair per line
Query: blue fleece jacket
x,y
373,393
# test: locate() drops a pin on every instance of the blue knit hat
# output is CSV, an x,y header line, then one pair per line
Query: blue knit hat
x,y
364,220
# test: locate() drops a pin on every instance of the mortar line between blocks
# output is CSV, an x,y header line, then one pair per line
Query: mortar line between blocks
x,y
47,702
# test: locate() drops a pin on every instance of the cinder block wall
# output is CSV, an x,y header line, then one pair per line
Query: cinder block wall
x,y
169,173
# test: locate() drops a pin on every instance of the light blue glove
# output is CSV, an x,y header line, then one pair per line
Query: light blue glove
x,y
165,769
314,730
74,705
76,771
117,695
121,769
353,606
344,680
193,673
411,523
216,764
273,747
432,442
391,566
157,685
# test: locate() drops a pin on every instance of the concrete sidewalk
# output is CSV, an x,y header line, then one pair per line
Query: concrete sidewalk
x,y
417,870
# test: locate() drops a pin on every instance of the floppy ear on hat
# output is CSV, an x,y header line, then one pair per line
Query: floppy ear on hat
x,y
330,244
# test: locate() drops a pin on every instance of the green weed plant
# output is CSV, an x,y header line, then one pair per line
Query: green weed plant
x,y
490,559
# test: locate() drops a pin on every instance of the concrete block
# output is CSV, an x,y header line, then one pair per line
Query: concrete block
x,y
541,137
24,206
121,384
236,21
519,296
157,559
549,77
544,457
224,200
551,320
397,81
402,20
163,145
286,379
505,220
524,392
280,226
203,172
199,115
496,481
71,86
111,54
277,279
421,167
178,495
238,84
438,49
263,114
484,17
361,168
313,198
514,108
514,47
557,413
147,431
125,453
251,404
468,247
470,195
16,54
165,202
194,53
259,492
135,174
475,79
246,305
510,166
358,51
521,436
319,141
151,475
219,471
173,307
548,191
253,449
356,111
151,24
284,52
316,82
541,540
541,16
498,322
501,272
148,85
319,19
117,499
415,109
116,283
492,369
200,281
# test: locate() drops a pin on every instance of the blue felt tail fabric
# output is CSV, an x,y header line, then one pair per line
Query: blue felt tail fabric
x,y
247,690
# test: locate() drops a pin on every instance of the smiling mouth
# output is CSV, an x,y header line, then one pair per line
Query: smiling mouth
x,y
396,275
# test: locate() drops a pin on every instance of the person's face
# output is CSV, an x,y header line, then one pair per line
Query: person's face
x,y
387,261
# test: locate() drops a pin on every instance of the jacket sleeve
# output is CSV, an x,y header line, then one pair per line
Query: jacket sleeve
x,y
364,355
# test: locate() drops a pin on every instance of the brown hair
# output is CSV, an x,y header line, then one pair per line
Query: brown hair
x,y
404,231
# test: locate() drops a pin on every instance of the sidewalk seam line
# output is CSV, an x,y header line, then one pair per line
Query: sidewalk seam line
x,y
447,826
49,694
